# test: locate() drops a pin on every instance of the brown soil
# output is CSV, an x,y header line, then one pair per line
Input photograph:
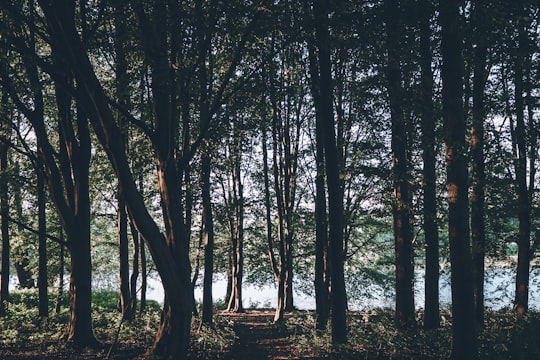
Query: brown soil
x,y
258,338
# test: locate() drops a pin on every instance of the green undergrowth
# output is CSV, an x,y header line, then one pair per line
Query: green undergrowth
x,y
372,335
24,334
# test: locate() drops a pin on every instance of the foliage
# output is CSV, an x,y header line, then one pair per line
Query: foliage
x,y
372,335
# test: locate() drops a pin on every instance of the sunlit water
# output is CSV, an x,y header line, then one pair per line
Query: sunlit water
x,y
499,292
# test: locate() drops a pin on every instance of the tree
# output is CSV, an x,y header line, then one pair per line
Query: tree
x,y
519,144
401,203
431,233
464,344
43,282
208,236
126,303
4,206
321,281
478,233
233,194
335,191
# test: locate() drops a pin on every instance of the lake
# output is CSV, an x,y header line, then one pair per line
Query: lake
x,y
499,292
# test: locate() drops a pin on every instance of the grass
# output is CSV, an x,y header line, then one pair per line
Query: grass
x,y
372,334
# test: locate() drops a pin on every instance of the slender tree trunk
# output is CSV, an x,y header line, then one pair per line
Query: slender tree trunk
x,y
523,205
60,288
478,235
431,233
144,277
208,234
21,260
124,297
4,218
122,94
132,307
42,244
236,303
464,345
402,204
335,192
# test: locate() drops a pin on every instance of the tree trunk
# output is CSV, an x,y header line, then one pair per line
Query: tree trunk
x,y
431,233
208,234
4,217
478,234
335,192
401,204
523,205
124,296
132,307
122,95
321,281
144,277
60,289
464,345
42,244
80,330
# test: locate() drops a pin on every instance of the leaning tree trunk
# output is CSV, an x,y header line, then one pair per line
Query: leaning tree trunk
x,y
464,345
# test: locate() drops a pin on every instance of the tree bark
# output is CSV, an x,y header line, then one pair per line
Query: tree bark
x,y
122,95
464,345
236,224
478,233
208,235
335,192
321,281
42,243
4,215
431,232
60,288
523,204
401,202
173,334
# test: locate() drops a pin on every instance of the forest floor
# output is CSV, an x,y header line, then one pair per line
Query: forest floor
x,y
258,338
253,335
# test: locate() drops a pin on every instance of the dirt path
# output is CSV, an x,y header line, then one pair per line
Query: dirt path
x,y
258,338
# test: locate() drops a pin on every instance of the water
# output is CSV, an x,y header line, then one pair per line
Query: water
x,y
499,292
